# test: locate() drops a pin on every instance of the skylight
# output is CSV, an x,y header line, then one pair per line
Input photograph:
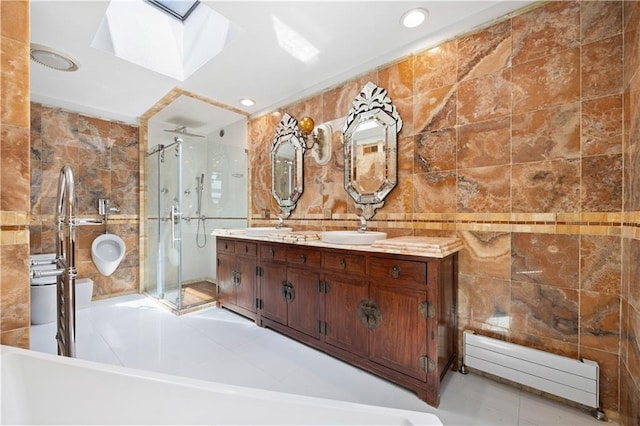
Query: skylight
x,y
146,36
180,9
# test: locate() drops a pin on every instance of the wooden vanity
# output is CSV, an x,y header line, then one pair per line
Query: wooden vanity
x,y
391,314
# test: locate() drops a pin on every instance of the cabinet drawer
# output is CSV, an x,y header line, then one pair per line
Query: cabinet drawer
x,y
225,246
305,257
273,252
246,248
394,271
342,262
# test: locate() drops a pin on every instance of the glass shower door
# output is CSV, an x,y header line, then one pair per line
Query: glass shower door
x,y
164,231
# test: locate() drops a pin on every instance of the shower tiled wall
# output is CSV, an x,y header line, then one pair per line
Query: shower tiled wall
x,y
513,141
14,174
103,155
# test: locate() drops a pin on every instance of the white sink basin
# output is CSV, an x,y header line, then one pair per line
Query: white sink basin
x,y
352,237
263,231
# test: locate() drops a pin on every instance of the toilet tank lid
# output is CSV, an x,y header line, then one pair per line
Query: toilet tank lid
x,y
84,281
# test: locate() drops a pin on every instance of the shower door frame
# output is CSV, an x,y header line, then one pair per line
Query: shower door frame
x,y
165,273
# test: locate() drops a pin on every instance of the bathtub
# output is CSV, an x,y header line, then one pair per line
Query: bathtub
x,y
47,389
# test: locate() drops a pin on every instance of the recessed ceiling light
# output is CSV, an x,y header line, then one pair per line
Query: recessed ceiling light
x,y
414,17
247,102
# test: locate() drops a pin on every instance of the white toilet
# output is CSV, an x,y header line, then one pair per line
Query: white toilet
x,y
107,251
43,292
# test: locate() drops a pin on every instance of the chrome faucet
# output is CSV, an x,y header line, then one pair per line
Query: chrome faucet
x,y
280,222
363,225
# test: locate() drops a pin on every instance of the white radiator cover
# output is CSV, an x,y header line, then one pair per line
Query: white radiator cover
x,y
557,375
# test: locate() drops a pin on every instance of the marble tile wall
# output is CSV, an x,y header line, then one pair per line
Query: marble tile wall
x,y
14,173
518,138
630,285
103,155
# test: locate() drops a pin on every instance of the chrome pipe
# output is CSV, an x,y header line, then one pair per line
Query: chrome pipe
x,y
47,273
83,222
43,262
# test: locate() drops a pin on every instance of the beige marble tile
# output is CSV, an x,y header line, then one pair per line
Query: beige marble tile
x,y
486,143
18,337
600,20
545,82
435,151
14,152
485,97
546,134
15,297
545,311
435,67
600,321
602,68
548,186
14,81
484,189
602,126
485,51
601,188
398,79
486,254
551,260
547,30
434,109
15,20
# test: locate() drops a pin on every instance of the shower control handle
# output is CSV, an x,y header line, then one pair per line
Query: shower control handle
x,y
175,217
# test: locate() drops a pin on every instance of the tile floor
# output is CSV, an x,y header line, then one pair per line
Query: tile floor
x,y
215,344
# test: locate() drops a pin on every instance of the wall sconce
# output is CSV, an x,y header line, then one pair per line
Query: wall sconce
x,y
321,137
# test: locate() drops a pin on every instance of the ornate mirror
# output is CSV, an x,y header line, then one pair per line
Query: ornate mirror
x,y
287,151
370,149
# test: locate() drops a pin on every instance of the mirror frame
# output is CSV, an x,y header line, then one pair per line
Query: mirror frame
x,y
288,132
372,103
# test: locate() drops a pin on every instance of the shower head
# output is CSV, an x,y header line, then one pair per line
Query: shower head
x,y
200,182
182,130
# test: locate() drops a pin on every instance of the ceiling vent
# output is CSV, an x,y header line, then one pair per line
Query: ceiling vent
x,y
52,58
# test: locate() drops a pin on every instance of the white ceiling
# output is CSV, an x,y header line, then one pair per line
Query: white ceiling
x,y
352,36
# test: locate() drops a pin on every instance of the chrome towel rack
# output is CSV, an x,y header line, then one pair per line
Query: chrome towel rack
x,y
66,271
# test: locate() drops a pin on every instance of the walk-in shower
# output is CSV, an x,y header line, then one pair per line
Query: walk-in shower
x,y
194,184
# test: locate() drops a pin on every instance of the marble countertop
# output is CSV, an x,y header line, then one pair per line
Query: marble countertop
x,y
437,247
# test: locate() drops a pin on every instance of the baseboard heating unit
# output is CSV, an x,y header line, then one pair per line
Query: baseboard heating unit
x,y
567,378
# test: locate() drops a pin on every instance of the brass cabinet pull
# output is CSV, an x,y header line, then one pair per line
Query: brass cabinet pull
x,y
343,263
246,249
236,278
287,291
369,314
395,271
303,258
272,252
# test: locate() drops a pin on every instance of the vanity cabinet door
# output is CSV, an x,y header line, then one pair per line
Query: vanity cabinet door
x,y
303,308
400,340
226,274
342,296
246,283
237,275
274,305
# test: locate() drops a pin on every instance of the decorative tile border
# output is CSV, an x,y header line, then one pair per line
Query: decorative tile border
x,y
614,224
